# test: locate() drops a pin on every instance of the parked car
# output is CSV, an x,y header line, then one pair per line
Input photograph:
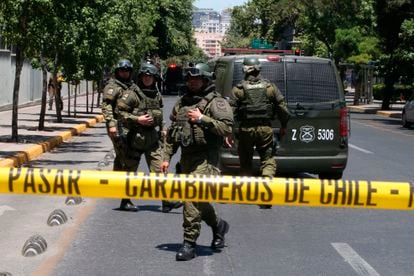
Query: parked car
x,y
317,133
173,79
407,117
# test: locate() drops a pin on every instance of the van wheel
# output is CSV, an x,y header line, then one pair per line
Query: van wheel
x,y
404,121
331,175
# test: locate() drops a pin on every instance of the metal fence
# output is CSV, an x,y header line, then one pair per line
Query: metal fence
x,y
30,82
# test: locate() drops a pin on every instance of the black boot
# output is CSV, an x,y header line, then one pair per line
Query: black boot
x,y
186,252
127,205
265,206
167,206
219,231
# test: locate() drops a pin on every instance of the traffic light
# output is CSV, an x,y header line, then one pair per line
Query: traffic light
x,y
297,52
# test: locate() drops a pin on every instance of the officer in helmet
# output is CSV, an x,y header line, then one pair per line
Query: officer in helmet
x,y
115,89
201,119
141,112
257,101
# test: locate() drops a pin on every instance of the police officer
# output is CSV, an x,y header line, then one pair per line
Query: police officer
x,y
113,92
257,101
200,120
141,113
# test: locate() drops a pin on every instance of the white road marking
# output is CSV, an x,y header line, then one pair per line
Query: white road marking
x,y
360,266
4,208
360,149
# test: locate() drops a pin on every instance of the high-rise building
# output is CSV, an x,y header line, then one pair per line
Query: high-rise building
x,y
203,15
209,29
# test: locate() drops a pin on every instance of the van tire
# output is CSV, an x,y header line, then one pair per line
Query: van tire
x,y
404,121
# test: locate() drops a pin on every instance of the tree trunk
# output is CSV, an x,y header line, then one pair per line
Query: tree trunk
x,y
93,95
69,107
388,92
75,100
16,88
100,90
44,94
87,97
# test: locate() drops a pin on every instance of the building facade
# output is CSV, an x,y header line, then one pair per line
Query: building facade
x,y
210,28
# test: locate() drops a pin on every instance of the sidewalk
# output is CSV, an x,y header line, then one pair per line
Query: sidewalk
x,y
375,108
32,142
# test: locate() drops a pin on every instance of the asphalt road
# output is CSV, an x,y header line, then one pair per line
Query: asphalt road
x,y
100,240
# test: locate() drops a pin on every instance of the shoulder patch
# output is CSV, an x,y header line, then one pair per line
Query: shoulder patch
x,y
125,96
221,104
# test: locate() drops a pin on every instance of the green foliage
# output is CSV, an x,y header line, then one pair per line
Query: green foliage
x,y
400,92
173,28
312,46
84,38
262,19
346,43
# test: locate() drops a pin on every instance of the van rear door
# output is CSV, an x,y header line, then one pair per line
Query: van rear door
x,y
316,103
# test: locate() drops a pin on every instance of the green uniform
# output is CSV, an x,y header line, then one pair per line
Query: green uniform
x,y
113,92
200,144
143,139
256,103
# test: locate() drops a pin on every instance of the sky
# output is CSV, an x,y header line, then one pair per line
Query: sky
x,y
218,5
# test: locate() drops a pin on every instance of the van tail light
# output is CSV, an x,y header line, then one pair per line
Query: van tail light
x,y
343,125
228,141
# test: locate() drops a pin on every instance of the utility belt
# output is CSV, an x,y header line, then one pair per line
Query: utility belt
x,y
255,123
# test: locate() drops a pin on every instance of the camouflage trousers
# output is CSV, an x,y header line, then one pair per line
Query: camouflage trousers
x,y
128,159
260,137
195,212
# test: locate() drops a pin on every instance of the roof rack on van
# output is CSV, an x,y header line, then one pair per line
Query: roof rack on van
x,y
240,51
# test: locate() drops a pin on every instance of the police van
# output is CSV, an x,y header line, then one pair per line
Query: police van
x,y
317,132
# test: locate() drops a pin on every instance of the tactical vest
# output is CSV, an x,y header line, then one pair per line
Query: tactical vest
x,y
186,133
256,103
150,103
141,137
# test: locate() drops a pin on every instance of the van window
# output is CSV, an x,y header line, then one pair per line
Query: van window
x,y
272,71
298,81
311,83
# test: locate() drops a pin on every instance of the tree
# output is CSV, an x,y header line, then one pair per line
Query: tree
x,y
321,20
264,19
390,17
18,26
173,29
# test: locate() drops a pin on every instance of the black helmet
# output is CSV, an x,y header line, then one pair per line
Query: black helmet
x,y
251,64
149,69
201,69
124,64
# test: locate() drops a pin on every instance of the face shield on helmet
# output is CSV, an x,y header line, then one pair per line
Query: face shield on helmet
x,y
149,69
251,65
200,70
124,64
123,70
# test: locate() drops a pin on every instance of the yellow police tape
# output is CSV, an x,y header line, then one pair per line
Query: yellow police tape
x,y
226,189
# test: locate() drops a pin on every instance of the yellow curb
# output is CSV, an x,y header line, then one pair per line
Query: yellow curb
x,y
34,151
392,114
